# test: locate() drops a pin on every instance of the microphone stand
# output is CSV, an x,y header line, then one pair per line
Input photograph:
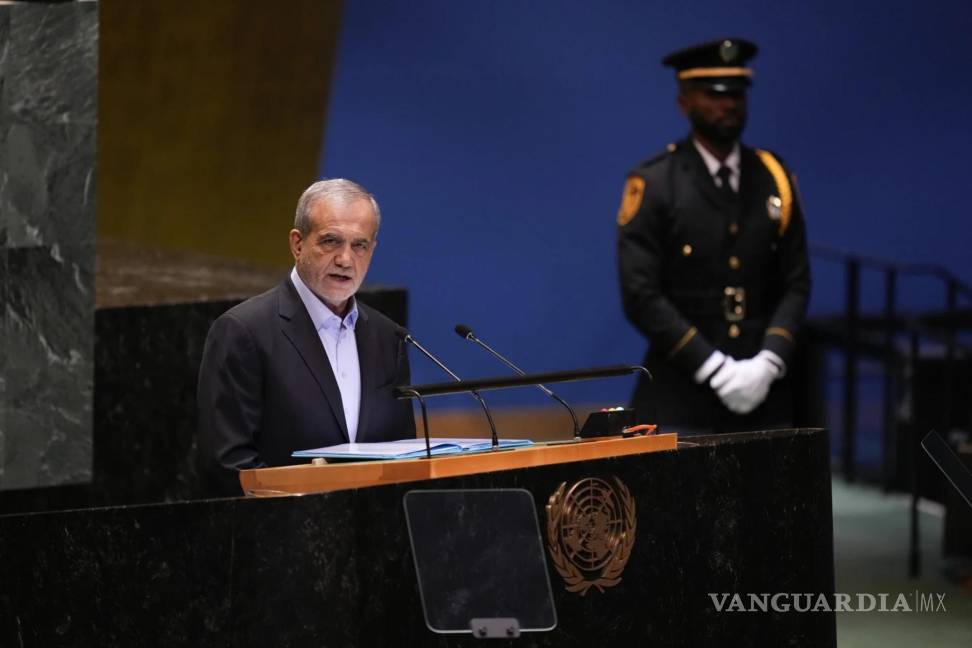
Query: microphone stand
x,y
492,426
425,421
472,338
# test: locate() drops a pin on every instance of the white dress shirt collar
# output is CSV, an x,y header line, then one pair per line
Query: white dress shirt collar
x,y
320,314
713,164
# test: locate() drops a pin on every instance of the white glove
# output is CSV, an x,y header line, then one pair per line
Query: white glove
x,y
712,364
743,386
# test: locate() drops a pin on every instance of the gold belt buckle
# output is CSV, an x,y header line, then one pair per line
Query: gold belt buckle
x,y
734,303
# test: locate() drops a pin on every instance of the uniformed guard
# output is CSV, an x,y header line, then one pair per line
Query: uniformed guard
x,y
713,260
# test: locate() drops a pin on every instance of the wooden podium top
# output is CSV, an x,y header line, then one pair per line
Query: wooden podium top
x,y
310,478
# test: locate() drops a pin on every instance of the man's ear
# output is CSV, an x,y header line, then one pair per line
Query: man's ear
x,y
683,102
296,241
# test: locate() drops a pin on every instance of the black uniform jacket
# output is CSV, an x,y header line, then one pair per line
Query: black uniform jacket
x,y
701,271
266,387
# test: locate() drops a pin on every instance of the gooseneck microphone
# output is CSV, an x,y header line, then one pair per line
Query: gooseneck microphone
x,y
405,335
465,332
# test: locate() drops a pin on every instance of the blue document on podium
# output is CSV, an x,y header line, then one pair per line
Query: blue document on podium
x,y
407,448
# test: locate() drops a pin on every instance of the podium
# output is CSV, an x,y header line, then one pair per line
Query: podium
x,y
474,592
311,478
333,566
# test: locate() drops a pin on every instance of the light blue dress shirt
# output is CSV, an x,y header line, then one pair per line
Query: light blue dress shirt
x,y
341,347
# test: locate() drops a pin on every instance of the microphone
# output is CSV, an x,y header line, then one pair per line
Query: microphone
x,y
465,332
405,335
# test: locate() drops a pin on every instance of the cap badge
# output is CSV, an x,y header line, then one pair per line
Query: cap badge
x,y
774,208
728,51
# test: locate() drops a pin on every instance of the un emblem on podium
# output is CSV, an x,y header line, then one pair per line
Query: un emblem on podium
x,y
590,532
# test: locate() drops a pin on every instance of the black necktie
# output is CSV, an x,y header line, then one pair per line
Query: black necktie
x,y
724,173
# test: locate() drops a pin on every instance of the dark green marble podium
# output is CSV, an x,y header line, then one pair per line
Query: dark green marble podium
x,y
746,513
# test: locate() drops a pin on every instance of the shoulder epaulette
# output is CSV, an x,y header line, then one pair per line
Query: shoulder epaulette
x,y
783,187
671,148
634,188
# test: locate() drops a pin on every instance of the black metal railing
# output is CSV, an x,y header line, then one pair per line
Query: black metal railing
x,y
879,337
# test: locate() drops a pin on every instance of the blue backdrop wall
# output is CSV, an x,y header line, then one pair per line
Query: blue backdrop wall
x,y
497,135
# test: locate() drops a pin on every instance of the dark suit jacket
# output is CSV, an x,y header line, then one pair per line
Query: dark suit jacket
x,y
686,243
266,387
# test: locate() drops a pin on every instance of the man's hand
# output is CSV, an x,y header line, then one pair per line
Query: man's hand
x,y
742,385
714,364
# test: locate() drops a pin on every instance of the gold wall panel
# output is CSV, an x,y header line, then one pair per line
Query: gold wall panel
x,y
211,121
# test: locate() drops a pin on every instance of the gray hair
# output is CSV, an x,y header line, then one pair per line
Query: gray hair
x,y
339,190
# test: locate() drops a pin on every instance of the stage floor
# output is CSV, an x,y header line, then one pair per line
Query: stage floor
x,y
871,555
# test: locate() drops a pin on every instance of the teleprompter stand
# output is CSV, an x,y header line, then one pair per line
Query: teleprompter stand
x,y
480,562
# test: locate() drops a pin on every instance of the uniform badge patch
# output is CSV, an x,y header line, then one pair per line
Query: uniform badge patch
x,y
634,192
774,208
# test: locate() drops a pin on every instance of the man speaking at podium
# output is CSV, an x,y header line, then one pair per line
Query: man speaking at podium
x,y
713,260
305,365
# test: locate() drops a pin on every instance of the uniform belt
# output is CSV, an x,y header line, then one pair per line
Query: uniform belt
x,y
733,304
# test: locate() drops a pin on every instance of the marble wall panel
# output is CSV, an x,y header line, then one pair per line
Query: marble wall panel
x,y
4,128
49,366
48,193
3,355
48,114
48,130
